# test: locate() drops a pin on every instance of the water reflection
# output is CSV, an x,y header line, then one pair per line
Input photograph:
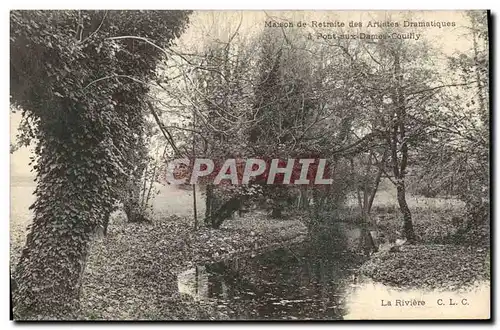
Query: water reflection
x,y
308,282
289,283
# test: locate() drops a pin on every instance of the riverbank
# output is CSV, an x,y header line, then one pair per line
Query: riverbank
x,y
430,266
132,272
442,259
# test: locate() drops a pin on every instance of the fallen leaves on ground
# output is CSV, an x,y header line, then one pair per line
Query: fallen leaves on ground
x,y
442,267
132,273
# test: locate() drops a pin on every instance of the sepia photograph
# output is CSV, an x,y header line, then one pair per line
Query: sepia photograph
x,y
250,165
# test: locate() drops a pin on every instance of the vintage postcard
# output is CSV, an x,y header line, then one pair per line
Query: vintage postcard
x,y
250,165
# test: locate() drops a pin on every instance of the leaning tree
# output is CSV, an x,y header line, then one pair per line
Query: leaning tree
x,y
81,80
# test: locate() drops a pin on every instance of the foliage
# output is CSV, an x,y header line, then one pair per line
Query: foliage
x,y
83,91
432,225
454,159
127,278
443,267
278,104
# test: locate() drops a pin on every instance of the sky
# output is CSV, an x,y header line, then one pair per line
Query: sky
x,y
207,25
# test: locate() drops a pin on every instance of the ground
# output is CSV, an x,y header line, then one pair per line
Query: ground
x,y
438,261
430,266
131,273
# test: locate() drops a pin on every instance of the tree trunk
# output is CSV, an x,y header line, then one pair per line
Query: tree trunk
x,y
48,275
377,179
224,212
49,288
398,142
209,204
106,223
132,205
408,232
480,87
304,198
276,213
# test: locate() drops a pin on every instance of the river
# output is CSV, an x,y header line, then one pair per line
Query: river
x,y
296,282
313,282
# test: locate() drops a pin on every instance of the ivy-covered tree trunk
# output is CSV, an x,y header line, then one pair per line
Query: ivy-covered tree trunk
x,y
48,277
68,72
71,201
